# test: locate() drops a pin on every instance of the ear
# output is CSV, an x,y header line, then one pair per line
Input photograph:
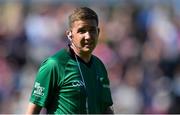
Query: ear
x,y
69,34
98,31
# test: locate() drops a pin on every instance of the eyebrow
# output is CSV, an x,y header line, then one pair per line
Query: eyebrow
x,y
87,28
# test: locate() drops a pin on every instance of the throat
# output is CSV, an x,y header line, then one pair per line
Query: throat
x,y
84,56
86,59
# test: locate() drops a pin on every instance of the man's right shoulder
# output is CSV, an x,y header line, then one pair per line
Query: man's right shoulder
x,y
60,57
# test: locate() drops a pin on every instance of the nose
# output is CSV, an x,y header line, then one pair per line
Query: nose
x,y
87,35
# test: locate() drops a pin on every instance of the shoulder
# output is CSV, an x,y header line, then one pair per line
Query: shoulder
x,y
101,71
60,58
99,65
98,60
54,66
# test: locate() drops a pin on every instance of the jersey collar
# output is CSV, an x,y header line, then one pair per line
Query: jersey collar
x,y
72,55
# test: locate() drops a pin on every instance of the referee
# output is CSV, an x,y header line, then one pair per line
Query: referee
x,y
73,81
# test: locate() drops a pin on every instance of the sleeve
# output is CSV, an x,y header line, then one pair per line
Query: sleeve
x,y
45,82
106,92
106,98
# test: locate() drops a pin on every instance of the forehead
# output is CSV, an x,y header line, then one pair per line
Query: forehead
x,y
84,24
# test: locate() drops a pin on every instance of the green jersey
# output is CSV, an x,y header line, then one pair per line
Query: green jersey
x,y
67,85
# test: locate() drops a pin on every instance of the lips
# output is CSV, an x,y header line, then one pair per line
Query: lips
x,y
88,44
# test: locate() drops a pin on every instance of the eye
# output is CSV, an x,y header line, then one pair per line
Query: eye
x,y
82,30
93,30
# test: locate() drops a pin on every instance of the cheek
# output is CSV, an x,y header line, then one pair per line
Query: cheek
x,y
96,39
78,41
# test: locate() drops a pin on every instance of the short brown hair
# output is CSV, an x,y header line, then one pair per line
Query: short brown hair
x,y
83,13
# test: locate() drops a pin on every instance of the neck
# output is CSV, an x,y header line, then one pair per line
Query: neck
x,y
83,56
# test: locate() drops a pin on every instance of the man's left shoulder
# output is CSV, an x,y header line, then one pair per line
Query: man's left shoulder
x,y
97,59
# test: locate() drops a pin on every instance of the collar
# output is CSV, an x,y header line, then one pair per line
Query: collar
x,y
72,55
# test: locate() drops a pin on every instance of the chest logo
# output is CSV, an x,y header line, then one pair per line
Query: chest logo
x,y
77,83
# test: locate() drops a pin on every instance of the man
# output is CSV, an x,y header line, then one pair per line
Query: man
x,y
73,81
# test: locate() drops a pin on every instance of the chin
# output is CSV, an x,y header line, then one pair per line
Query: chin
x,y
87,50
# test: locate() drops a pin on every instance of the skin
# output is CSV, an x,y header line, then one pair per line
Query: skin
x,y
84,36
33,109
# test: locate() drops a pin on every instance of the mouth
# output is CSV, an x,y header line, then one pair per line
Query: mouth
x,y
89,44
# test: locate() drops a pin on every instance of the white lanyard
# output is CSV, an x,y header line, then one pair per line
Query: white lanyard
x,y
82,77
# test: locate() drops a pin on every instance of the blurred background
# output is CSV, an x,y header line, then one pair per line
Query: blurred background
x,y
139,44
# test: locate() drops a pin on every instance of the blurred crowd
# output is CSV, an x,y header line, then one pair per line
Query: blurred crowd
x,y
139,44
